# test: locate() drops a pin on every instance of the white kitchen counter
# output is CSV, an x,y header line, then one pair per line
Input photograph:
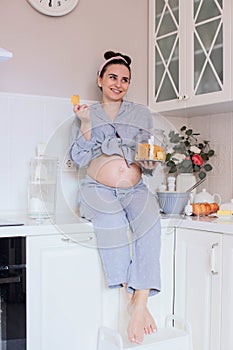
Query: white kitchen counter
x,y
202,223
67,225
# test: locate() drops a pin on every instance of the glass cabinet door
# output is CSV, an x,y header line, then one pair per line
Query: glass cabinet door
x,y
166,50
208,46
190,50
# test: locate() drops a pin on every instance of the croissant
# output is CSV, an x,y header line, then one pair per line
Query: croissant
x,y
204,208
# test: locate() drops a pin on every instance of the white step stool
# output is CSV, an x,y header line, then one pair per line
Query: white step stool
x,y
168,338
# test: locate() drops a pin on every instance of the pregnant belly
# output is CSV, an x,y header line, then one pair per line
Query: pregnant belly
x,y
113,171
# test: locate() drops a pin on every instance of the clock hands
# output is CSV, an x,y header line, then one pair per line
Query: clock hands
x,y
51,3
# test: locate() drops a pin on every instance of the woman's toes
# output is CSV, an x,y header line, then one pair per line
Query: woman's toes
x,y
153,327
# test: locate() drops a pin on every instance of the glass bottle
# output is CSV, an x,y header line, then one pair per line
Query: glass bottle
x,y
42,185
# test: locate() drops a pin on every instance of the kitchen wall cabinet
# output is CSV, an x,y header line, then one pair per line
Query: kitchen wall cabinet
x,y
198,285
189,53
67,300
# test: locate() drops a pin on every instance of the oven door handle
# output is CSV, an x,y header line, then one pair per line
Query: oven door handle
x,y
12,267
10,279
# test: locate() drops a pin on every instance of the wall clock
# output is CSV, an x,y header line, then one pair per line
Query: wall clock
x,y
54,7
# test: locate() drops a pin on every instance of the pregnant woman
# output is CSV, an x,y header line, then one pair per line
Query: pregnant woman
x,y
113,196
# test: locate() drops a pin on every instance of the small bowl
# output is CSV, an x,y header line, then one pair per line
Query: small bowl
x,y
173,202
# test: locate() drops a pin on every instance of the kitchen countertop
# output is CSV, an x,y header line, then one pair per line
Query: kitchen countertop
x,y
71,224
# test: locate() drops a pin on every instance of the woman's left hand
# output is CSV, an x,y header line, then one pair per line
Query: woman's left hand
x,y
148,164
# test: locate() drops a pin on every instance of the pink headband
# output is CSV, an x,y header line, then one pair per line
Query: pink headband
x,y
109,60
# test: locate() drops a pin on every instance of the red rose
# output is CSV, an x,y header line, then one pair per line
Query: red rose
x,y
197,159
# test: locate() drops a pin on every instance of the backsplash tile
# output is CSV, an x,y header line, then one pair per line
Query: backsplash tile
x,y
26,120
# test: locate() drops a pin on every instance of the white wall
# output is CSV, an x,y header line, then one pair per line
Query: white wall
x,y
61,56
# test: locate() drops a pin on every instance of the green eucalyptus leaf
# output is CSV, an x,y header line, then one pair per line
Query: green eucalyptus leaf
x,y
168,157
200,145
187,163
202,175
170,163
179,148
204,156
208,167
196,168
211,153
189,132
175,138
173,169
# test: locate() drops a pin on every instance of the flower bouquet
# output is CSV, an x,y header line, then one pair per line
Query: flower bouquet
x,y
188,154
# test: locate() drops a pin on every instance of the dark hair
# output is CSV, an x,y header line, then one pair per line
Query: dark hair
x,y
126,61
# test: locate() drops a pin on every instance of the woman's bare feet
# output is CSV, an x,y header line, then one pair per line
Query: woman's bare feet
x,y
141,321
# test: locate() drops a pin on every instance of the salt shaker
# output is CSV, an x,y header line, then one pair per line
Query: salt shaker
x,y
171,183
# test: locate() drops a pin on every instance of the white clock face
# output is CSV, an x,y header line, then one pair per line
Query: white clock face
x,y
54,7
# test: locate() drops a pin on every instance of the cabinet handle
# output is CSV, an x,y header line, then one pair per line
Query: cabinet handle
x,y
70,240
65,239
213,259
181,98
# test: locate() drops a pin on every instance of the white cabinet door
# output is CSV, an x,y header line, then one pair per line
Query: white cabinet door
x,y
227,294
208,67
167,45
198,285
189,53
161,305
64,294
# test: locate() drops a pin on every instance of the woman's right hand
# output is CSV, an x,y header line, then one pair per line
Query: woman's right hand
x,y
83,113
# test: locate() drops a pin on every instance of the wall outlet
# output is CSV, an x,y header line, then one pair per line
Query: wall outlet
x,y
69,164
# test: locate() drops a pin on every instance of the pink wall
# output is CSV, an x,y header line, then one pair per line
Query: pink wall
x,y
60,56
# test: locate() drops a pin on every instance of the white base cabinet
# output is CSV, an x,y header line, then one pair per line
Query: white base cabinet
x,y
162,304
227,294
67,300
198,285
64,294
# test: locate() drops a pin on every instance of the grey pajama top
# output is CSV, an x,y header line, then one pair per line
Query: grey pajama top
x,y
133,124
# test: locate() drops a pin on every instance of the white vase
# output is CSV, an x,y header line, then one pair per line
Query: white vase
x,y
184,181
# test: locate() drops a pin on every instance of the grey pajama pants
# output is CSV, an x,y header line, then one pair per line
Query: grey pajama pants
x,y
114,210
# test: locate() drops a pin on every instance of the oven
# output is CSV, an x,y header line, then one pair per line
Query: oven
x,y
12,293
